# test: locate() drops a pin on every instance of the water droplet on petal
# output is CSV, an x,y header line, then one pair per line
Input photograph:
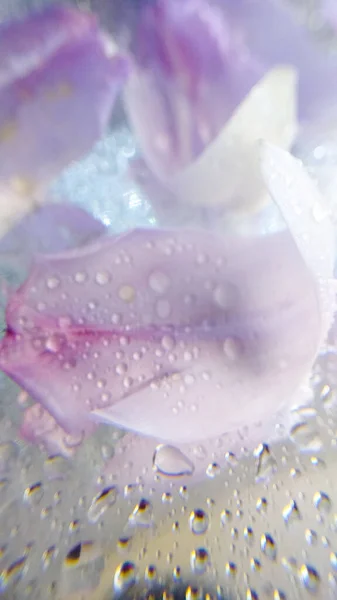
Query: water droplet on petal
x,y
169,461
223,296
102,278
232,348
127,293
53,283
80,277
159,282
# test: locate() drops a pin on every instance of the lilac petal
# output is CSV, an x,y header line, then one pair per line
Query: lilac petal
x,y
128,331
52,228
56,99
190,72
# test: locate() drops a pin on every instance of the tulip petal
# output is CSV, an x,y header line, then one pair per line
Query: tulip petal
x,y
128,331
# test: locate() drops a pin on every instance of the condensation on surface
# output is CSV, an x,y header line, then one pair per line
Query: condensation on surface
x,y
262,524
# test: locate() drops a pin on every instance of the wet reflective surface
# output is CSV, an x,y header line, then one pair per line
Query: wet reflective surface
x,y
261,522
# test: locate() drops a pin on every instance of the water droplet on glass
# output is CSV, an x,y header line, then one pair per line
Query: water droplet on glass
x,y
199,560
231,459
225,517
13,573
183,492
142,514
255,565
310,536
48,556
291,512
34,493
192,593
261,505
198,521
248,534
268,546
125,577
306,436
124,544
265,462
322,502
213,470
231,569
101,503
251,594
309,577
168,461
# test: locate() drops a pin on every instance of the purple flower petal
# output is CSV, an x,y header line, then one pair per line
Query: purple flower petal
x,y
57,89
52,228
274,35
128,331
190,72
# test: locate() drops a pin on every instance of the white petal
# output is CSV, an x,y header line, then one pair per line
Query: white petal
x,y
228,170
308,218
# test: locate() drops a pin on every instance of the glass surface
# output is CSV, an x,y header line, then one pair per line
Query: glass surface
x,y
168,394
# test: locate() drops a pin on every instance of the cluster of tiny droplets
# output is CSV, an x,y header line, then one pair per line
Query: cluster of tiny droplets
x,y
101,184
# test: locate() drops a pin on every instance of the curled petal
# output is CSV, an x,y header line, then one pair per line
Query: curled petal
x,y
127,331
228,173
308,219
